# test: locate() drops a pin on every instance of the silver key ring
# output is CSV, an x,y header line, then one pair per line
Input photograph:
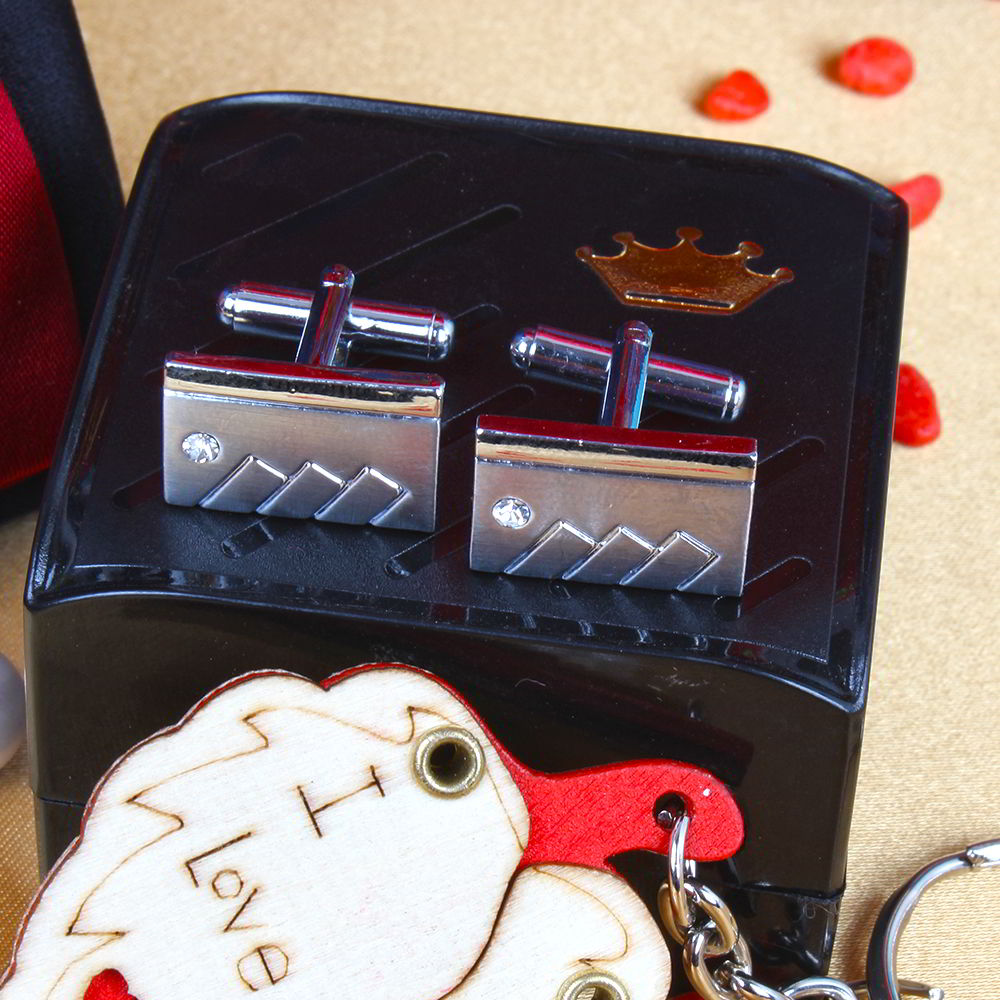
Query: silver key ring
x,y
717,957
882,983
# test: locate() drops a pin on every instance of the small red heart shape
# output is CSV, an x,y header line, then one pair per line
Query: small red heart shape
x,y
921,194
735,98
917,419
876,66
108,985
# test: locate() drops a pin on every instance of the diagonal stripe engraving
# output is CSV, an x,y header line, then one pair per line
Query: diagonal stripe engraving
x,y
675,564
621,557
611,558
363,498
246,486
559,546
312,491
305,492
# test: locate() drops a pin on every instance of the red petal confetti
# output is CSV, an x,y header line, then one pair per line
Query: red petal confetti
x,y
917,418
877,66
108,985
737,97
921,194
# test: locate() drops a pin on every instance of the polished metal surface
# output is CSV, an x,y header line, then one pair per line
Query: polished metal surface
x,y
626,381
364,390
882,983
368,498
632,508
656,454
559,547
349,446
672,383
241,489
305,492
320,343
401,330
675,564
820,986
612,559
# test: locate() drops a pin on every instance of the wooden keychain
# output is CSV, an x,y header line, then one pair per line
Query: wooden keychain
x,y
367,836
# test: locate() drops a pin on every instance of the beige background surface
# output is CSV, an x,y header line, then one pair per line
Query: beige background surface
x,y
931,764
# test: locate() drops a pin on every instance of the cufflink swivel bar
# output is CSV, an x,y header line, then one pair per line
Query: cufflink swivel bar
x,y
673,384
406,331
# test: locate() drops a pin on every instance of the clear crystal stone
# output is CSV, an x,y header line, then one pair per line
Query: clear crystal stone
x,y
200,447
511,512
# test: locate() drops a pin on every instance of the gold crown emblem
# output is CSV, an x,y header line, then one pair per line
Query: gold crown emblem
x,y
682,276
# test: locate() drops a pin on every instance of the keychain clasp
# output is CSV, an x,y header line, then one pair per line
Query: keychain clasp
x,y
704,926
882,983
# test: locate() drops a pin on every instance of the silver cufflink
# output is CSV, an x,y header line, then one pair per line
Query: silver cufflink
x,y
309,438
612,504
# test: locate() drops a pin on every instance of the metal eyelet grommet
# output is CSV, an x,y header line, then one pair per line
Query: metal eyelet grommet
x,y
448,761
592,986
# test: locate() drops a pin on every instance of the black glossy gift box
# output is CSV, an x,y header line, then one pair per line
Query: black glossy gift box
x,y
135,609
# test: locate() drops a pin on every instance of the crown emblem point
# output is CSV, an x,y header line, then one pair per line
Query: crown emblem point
x,y
682,276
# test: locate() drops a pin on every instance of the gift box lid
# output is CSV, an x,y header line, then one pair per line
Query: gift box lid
x,y
481,215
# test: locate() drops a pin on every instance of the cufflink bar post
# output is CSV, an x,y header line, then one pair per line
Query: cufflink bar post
x,y
626,378
320,342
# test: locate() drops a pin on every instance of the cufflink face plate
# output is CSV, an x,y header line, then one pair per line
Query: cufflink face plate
x,y
352,446
612,506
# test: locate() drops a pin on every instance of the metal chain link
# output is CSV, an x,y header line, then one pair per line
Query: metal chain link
x,y
697,919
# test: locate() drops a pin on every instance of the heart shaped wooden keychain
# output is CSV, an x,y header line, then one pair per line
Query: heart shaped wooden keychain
x,y
367,836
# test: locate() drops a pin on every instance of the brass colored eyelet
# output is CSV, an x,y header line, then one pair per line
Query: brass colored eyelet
x,y
448,761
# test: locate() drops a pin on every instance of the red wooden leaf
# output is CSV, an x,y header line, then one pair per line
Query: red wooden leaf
x,y
586,817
